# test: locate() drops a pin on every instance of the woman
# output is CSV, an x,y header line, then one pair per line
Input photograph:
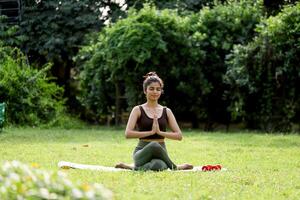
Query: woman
x,y
151,118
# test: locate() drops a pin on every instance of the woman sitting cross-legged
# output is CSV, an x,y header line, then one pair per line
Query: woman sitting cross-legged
x,y
152,119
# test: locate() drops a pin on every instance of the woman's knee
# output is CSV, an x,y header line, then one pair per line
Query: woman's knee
x,y
155,146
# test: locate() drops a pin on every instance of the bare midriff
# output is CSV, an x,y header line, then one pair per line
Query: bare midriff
x,y
154,140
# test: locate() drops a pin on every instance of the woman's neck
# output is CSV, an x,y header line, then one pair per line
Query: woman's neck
x,y
151,104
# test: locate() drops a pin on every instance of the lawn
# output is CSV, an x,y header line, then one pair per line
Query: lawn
x,y
260,166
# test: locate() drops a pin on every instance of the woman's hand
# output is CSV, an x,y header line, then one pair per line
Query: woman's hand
x,y
155,125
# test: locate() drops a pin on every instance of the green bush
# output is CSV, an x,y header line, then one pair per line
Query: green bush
x,y
214,32
19,181
30,97
187,52
146,40
265,74
9,33
183,6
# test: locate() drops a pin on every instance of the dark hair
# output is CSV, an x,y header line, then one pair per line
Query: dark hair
x,y
152,77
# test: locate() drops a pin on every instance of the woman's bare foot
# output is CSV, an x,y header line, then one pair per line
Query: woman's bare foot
x,y
185,166
124,166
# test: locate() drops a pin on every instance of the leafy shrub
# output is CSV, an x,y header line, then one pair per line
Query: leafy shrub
x,y
19,181
54,31
183,6
9,33
274,7
214,32
265,74
187,52
146,40
30,97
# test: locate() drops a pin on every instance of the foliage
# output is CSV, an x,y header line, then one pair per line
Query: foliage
x,y
55,30
187,52
214,32
30,96
157,40
9,34
19,181
97,91
187,6
187,46
182,6
264,75
274,7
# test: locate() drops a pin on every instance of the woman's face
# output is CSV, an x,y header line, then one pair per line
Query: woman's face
x,y
153,91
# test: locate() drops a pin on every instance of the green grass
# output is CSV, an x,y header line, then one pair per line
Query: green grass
x,y
260,166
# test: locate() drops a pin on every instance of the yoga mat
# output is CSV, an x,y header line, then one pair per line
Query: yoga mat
x,y
70,165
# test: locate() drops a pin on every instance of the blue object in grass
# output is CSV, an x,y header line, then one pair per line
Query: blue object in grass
x,y
2,115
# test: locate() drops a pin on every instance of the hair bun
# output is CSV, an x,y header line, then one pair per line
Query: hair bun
x,y
150,74
151,77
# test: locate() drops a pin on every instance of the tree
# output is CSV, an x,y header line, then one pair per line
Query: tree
x,y
264,74
9,33
187,51
55,30
214,32
273,7
183,6
146,40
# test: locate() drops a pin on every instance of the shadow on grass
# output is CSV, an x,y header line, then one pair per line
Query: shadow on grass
x,y
248,139
116,135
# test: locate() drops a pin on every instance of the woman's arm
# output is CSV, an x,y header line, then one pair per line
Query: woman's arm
x,y
130,131
176,132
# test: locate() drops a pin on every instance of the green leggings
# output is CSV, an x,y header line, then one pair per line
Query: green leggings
x,y
152,156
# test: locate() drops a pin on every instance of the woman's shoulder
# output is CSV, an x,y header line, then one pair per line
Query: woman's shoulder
x,y
161,107
137,109
136,106
168,111
135,112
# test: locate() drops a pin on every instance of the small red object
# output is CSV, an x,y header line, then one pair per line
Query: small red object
x,y
211,167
